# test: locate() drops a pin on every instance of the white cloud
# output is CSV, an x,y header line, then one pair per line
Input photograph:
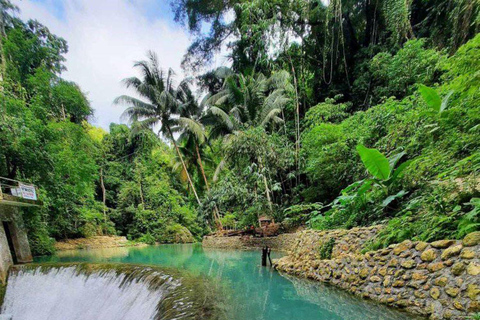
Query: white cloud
x,y
105,37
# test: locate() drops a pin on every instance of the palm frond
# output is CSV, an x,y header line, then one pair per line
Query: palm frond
x,y
194,127
219,170
223,117
272,116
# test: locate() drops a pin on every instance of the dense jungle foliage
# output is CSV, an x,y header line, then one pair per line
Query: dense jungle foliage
x,y
336,115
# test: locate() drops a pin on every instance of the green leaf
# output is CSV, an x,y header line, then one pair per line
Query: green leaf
x,y
431,97
399,171
393,160
375,162
391,198
364,187
445,101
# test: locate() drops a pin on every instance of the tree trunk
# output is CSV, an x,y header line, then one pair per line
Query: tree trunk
x,y
104,197
201,166
184,166
297,121
216,213
267,189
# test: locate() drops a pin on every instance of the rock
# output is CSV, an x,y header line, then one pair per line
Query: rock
x,y
473,269
387,281
398,284
467,254
452,292
391,300
393,262
435,293
364,273
375,279
382,271
428,255
472,291
402,303
442,244
401,247
448,263
421,246
408,264
474,306
419,276
440,281
434,267
407,276
419,294
458,268
458,305
451,252
471,239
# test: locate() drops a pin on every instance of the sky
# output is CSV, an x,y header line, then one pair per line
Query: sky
x,y
105,37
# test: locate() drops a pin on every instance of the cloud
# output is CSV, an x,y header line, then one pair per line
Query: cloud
x,y
105,37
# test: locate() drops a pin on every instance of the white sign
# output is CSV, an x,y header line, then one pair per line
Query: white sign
x,y
28,192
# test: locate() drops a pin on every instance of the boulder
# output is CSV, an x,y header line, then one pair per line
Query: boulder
x,y
429,255
442,244
451,252
471,239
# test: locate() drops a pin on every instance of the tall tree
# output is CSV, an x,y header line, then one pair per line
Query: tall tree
x,y
6,8
248,101
161,105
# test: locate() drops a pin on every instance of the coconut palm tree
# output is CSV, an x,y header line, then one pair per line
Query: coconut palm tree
x,y
246,101
193,139
160,103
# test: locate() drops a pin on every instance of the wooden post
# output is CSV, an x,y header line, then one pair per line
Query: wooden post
x,y
264,256
269,250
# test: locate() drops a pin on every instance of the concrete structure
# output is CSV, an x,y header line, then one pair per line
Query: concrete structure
x,y
14,246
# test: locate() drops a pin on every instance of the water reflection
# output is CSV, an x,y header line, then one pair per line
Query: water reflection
x,y
340,302
107,253
250,291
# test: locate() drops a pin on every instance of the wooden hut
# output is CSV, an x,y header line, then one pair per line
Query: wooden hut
x,y
264,221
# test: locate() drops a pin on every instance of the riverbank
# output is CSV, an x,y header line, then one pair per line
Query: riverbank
x,y
347,240
282,242
96,242
439,280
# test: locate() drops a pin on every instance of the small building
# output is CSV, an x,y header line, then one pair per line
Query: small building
x,y
14,246
264,221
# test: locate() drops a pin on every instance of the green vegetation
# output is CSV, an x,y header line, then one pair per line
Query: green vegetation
x,y
335,116
326,249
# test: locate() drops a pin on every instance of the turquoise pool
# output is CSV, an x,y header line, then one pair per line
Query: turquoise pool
x,y
250,291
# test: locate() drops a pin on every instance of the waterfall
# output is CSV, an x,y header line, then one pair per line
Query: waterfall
x,y
99,292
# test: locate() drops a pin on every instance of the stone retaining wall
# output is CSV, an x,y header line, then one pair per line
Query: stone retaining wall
x,y
440,280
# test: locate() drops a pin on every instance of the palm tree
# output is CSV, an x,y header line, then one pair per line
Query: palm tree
x,y
161,104
247,101
193,138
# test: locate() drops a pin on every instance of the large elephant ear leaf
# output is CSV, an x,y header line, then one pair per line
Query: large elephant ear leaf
x,y
431,97
375,162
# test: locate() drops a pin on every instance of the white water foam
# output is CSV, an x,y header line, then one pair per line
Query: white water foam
x,y
66,294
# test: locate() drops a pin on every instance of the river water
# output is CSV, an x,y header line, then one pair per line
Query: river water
x,y
249,291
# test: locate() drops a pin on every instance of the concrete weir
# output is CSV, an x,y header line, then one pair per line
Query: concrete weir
x,y
14,246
